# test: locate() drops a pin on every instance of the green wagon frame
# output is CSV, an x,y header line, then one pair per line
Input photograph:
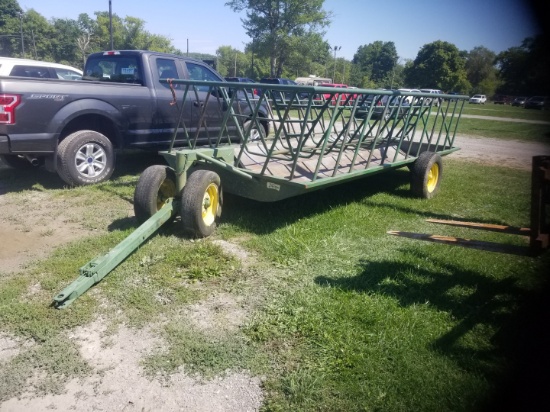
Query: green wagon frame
x,y
313,137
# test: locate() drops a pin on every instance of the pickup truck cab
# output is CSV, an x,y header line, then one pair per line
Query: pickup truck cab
x,y
75,127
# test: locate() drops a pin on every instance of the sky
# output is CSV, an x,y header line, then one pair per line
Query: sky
x,y
410,24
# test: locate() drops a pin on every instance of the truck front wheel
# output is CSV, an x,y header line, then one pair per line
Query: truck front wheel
x,y
85,157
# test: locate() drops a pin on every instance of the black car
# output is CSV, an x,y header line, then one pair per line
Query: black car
x,y
277,94
538,102
519,101
385,106
243,80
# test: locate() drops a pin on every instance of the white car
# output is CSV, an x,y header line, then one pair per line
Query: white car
x,y
478,99
11,66
437,101
409,99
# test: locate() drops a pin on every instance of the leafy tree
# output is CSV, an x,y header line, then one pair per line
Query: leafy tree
x,y
276,27
101,36
480,70
377,61
10,10
524,70
64,48
438,65
308,56
232,62
10,28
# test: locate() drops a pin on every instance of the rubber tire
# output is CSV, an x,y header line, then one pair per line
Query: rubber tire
x,y
68,155
426,174
255,132
197,220
18,162
156,185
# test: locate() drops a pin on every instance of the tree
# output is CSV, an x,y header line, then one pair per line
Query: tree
x,y
308,56
232,62
480,70
10,27
524,69
438,65
64,48
377,61
276,27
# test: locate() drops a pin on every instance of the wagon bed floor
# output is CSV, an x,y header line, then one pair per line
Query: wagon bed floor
x,y
330,164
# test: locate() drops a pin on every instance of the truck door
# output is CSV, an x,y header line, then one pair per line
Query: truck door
x,y
207,109
168,108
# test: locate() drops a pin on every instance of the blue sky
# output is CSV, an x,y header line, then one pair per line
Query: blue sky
x,y
208,24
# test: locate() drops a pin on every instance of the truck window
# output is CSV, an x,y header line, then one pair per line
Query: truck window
x,y
200,72
167,69
113,68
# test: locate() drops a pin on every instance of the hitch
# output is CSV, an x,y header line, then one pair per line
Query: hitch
x,y
95,270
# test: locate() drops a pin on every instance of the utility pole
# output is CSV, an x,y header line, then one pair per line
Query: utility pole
x,y
22,41
335,49
111,24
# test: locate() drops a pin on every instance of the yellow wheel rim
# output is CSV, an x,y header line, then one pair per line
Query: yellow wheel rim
x,y
210,204
167,190
433,177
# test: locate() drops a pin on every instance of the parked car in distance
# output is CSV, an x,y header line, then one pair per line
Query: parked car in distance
x,y
346,97
281,80
385,106
277,80
437,101
409,98
243,80
502,99
478,99
312,80
519,101
538,102
453,94
11,66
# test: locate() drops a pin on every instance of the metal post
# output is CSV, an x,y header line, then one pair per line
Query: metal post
x,y
335,48
22,41
111,25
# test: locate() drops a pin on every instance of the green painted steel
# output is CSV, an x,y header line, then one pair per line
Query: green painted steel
x,y
95,270
318,136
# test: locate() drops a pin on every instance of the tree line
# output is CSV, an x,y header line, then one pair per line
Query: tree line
x,y
286,41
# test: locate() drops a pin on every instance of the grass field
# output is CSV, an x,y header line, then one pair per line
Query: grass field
x,y
340,316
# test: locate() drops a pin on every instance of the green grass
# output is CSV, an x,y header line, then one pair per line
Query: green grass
x,y
505,130
366,319
506,111
339,314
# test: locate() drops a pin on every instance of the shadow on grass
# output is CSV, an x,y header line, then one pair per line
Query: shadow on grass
x,y
518,358
15,180
128,163
265,217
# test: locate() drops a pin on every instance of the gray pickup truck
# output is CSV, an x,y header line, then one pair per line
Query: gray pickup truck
x,y
74,128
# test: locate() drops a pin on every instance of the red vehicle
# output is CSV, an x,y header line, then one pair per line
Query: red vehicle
x,y
334,97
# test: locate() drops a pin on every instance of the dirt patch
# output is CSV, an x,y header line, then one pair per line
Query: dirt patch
x,y
120,385
501,152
